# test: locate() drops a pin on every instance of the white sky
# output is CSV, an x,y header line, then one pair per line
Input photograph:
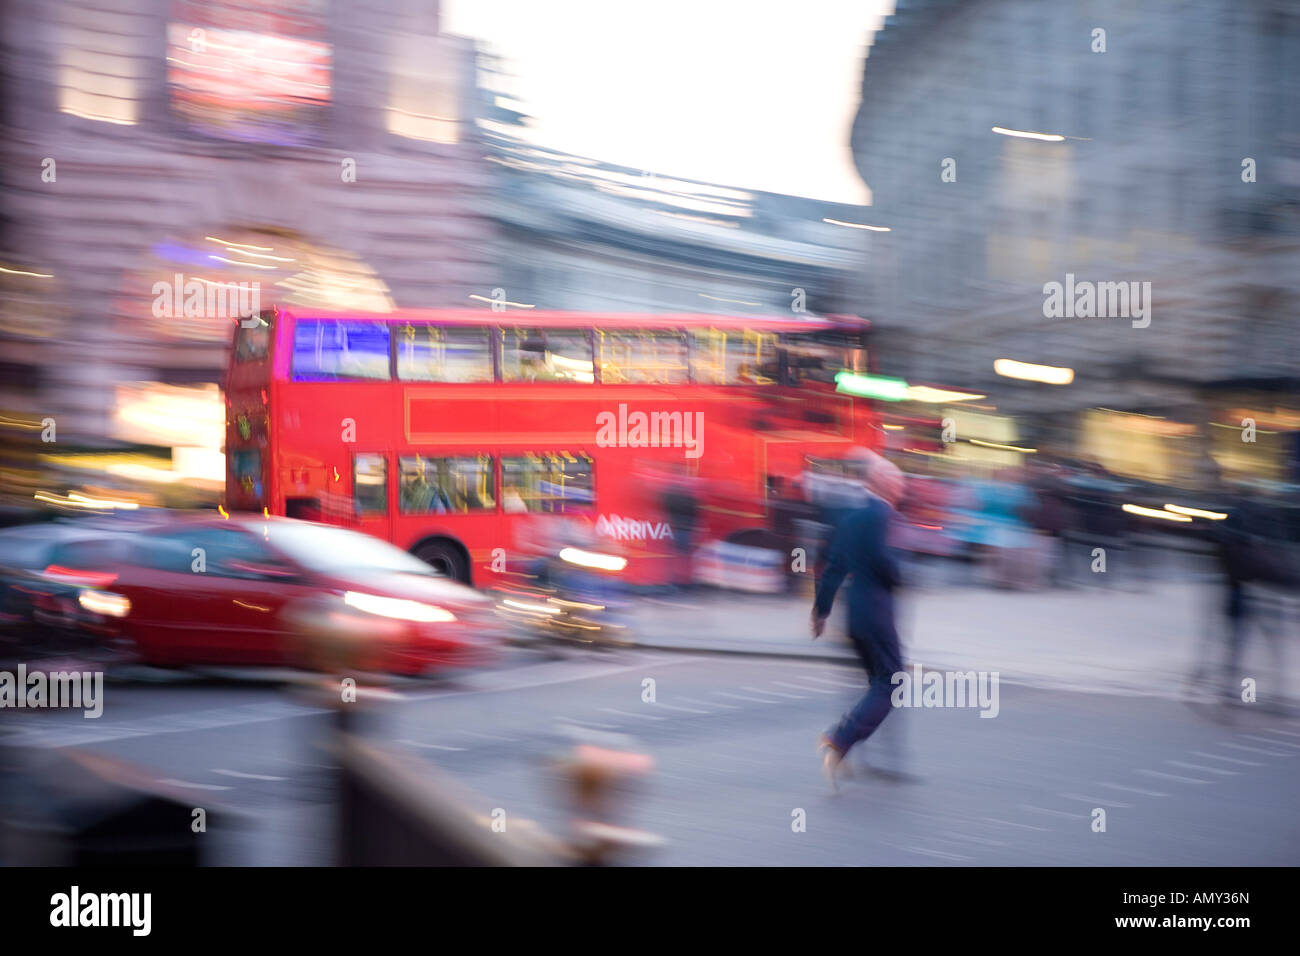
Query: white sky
x,y
758,94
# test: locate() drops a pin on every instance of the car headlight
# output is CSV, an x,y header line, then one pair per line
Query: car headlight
x,y
399,608
104,602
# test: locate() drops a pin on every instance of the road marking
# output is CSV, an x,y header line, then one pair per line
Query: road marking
x,y
630,713
1094,801
708,703
939,853
475,733
416,743
1145,793
1171,776
586,723
1056,813
969,838
551,672
1244,763
834,681
1023,826
170,781
823,680
1257,750
755,700
685,710
247,776
1284,733
1199,766
815,690
1270,742
211,719
774,693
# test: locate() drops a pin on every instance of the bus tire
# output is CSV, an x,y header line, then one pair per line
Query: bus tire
x,y
445,556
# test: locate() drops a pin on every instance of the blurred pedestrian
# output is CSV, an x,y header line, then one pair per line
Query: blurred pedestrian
x,y
860,550
681,507
1257,567
1051,517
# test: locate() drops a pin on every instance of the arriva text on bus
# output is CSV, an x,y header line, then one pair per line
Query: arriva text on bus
x,y
651,430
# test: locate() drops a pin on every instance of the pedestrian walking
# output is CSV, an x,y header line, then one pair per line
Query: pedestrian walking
x,y
860,551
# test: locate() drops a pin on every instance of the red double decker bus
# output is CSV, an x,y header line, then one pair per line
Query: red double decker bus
x,y
444,431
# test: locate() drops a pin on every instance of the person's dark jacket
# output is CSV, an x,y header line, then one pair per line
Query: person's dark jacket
x,y
860,550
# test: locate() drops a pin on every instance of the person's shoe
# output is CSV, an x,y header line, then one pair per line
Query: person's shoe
x,y
831,759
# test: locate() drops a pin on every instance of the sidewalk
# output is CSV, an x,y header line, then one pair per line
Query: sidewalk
x,y
1144,642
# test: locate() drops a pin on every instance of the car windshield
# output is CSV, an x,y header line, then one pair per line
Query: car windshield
x,y
330,550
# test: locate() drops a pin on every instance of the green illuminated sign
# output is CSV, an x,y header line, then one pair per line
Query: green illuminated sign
x,y
871,386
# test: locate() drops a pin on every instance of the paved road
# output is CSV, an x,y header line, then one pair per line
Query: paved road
x,y
733,739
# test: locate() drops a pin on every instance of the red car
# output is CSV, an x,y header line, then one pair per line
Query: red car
x,y
245,591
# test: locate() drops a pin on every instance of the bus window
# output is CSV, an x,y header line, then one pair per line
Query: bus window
x,y
432,353
734,357
327,349
643,356
818,357
253,341
551,484
546,355
370,484
447,485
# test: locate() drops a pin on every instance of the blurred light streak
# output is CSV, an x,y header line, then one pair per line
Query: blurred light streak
x,y
1025,134
237,245
857,225
1048,374
1196,512
517,305
1155,513
104,602
871,386
398,608
926,393
1001,447
19,272
592,559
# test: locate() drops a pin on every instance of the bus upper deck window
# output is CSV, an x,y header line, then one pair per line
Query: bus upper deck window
x,y
431,353
546,355
734,357
329,349
643,356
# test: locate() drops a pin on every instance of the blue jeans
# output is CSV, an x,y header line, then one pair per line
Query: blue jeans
x,y
882,659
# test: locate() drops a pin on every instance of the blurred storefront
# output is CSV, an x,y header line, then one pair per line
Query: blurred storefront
x,y
1141,162
311,150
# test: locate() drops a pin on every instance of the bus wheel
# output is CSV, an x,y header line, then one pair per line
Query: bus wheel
x,y
446,558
